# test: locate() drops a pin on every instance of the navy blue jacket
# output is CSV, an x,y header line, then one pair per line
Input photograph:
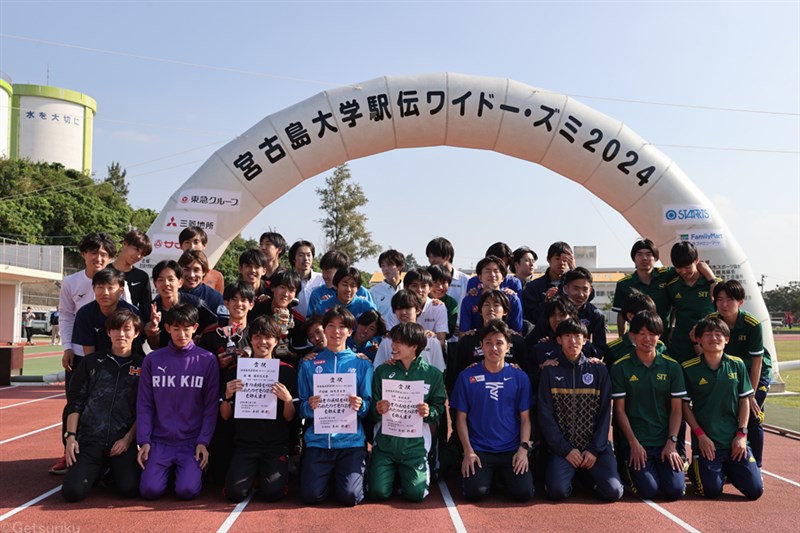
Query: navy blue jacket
x,y
574,406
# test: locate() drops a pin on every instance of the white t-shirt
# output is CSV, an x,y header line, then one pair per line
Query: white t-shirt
x,y
306,287
432,354
76,291
433,318
382,296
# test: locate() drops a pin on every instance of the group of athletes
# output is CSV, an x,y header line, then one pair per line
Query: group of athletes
x,y
533,386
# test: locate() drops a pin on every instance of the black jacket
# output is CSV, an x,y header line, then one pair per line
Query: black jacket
x,y
104,393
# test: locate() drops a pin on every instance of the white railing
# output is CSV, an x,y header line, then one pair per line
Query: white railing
x,y
33,256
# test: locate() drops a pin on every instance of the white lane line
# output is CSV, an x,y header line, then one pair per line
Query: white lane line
x,y
6,388
776,476
30,433
451,508
32,401
671,516
25,505
228,523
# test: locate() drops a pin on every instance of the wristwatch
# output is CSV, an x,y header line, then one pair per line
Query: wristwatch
x,y
674,438
742,430
526,446
69,434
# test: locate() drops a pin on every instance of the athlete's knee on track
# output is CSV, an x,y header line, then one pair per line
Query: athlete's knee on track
x,y
187,489
610,490
379,492
75,491
273,491
475,491
349,496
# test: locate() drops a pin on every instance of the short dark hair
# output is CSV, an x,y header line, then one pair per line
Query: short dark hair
x,y
488,260
167,263
120,317
495,326
576,274
287,278
501,250
410,334
441,247
108,276
393,257
560,303
341,313
253,256
373,317
518,254
139,239
644,244
683,253
264,325
181,315
242,289
296,246
191,256
558,248
732,288
497,296
92,242
637,301
571,326
418,274
713,323
406,299
334,259
649,320
311,322
439,273
276,239
191,232
349,272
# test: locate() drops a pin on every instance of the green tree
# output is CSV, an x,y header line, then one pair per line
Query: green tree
x,y
116,177
344,226
411,262
784,298
44,203
228,264
143,218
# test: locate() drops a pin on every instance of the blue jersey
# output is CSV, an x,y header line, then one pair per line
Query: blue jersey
x,y
328,362
357,306
320,294
493,403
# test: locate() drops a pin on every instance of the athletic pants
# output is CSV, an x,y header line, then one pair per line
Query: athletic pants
x,y
90,465
476,486
755,431
412,470
269,467
344,466
654,476
709,476
163,458
559,475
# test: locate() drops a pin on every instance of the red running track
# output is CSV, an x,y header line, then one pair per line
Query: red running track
x,y
23,477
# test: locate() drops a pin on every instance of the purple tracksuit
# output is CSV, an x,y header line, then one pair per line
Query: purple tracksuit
x,y
176,410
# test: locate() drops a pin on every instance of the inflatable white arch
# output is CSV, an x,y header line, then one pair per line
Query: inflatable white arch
x,y
499,114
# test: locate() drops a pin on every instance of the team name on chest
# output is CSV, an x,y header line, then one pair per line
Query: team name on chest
x,y
185,382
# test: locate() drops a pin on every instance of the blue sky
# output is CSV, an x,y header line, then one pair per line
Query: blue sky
x,y
175,81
